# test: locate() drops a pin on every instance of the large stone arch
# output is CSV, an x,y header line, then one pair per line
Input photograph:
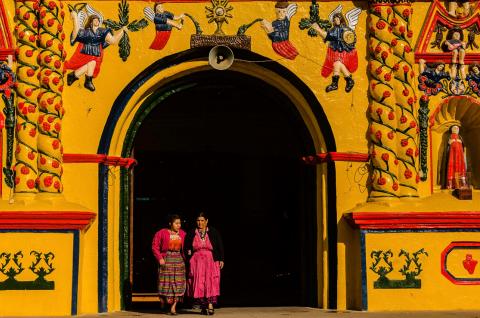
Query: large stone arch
x,y
164,78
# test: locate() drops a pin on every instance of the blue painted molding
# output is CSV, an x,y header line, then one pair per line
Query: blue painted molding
x,y
363,257
102,237
76,252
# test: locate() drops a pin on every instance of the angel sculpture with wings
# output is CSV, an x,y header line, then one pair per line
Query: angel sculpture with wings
x,y
92,40
341,53
278,31
164,21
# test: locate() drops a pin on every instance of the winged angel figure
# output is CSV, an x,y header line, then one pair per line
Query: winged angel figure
x,y
92,40
164,22
278,30
341,53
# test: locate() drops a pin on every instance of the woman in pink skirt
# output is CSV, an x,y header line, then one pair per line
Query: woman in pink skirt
x,y
167,246
205,248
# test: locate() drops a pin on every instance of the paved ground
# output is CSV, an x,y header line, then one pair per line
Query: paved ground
x,y
300,312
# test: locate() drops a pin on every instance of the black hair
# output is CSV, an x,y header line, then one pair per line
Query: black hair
x,y
202,214
155,6
173,217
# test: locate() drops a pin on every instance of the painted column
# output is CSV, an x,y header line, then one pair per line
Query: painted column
x,y
52,56
28,88
382,110
406,100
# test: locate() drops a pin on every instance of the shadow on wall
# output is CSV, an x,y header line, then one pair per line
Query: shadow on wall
x,y
350,238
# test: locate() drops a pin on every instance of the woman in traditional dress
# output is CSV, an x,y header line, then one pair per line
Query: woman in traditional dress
x,y
167,246
205,248
456,167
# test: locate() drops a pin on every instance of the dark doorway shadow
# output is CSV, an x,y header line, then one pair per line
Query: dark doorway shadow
x,y
231,145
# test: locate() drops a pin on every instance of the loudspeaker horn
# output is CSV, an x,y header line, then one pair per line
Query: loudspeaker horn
x,y
220,57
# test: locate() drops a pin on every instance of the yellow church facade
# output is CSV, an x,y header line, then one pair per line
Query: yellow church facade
x,y
333,144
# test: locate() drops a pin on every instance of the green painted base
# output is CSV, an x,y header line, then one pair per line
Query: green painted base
x,y
397,284
11,284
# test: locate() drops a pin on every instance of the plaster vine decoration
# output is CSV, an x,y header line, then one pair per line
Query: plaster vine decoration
x,y
42,266
244,27
164,21
7,83
125,25
28,75
423,123
314,18
406,101
52,56
7,268
93,39
341,58
279,29
12,267
393,124
382,265
382,109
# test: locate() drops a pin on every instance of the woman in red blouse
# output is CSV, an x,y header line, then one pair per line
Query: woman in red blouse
x,y
167,246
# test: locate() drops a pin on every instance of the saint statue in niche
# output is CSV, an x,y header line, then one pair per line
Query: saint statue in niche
x,y
455,161
459,9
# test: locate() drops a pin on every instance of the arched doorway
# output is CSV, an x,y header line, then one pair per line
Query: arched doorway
x,y
170,75
231,144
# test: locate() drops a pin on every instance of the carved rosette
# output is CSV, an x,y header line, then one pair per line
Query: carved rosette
x,y
382,109
406,100
52,56
28,89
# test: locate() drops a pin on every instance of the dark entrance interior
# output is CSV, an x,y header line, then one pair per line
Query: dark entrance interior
x,y
231,145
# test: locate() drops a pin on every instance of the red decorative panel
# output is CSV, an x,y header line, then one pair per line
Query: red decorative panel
x,y
469,274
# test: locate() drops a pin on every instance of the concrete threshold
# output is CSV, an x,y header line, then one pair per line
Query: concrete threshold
x,y
300,312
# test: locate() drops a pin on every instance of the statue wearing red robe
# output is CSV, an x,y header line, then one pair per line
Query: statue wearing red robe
x,y
456,167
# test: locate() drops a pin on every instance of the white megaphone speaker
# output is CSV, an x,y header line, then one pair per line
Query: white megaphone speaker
x,y
220,57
